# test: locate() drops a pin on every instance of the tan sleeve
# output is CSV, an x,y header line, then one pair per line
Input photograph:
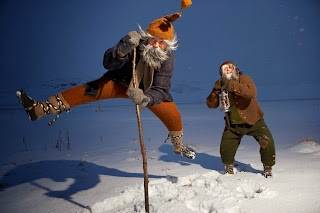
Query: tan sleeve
x,y
213,98
245,87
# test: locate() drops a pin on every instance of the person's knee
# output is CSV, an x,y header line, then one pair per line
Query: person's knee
x,y
92,88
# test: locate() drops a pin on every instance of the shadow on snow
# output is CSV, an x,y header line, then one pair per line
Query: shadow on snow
x,y
205,160
85,176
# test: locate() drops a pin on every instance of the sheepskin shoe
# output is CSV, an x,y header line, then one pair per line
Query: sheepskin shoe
x,y
267,171
178,147
36,110
229,169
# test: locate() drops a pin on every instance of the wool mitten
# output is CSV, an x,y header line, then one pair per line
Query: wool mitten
x,y
137,97
225,83
131,41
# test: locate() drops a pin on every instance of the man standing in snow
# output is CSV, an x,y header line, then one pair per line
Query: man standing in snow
x,y
244,117
155,65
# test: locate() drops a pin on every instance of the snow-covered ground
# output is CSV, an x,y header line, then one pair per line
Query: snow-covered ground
x,y
103,170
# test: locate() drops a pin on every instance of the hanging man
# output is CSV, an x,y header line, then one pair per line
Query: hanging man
x,y
154,67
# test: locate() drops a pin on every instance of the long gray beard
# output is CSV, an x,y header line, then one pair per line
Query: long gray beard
x,y
231,76
153,56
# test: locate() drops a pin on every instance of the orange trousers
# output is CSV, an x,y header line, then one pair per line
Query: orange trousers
x,y
167,112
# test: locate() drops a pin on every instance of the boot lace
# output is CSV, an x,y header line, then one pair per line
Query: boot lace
x,y
46,109
229,169
267,170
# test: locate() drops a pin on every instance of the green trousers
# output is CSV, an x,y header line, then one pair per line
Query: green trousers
x,y
232,136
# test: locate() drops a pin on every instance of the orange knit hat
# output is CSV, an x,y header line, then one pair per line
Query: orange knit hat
x,y
162,27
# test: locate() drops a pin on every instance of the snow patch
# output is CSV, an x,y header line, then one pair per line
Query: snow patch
x,y
307,146
209,192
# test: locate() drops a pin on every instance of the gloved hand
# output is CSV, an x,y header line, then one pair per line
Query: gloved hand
x,y
132,40
137,97
225,83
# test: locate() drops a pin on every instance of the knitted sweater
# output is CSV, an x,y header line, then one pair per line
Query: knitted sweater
x,y
245,99
120,69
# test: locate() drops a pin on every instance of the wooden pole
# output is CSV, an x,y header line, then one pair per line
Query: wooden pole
x,y
143,150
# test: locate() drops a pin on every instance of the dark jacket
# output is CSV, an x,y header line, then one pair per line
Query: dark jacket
x,y
245,100
120,69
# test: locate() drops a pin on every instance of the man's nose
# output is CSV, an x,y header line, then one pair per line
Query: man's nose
x,y
156,44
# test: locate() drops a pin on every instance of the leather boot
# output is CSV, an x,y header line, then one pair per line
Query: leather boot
x,y
37,110
178,147
267,171
229,169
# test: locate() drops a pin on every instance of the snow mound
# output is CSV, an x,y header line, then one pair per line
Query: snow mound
x,y
307,146
209,192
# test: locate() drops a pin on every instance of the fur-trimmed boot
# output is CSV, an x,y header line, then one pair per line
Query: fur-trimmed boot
x,y
37,110
178,147
267,171
229,169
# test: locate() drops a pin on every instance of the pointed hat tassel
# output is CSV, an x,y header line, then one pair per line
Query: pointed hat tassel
x,y
185,4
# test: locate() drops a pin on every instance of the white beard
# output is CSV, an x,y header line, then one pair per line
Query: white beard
x,y
230,76
153,56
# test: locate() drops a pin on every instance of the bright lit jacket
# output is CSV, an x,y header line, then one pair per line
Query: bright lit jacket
x,y
245,99
120,69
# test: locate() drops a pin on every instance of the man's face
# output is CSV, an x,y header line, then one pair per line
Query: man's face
x,y
228,71
157,42
154,51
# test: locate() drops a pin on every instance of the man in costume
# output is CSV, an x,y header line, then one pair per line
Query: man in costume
x,y
154,68
244,117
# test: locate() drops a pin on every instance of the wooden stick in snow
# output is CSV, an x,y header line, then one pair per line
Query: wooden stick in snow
x,y
143,150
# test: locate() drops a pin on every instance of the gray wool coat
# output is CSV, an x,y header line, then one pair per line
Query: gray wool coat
x,y
120,69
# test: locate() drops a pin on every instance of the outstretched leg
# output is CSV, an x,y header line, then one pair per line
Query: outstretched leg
x,y
104,88
36,110
170,116
100,89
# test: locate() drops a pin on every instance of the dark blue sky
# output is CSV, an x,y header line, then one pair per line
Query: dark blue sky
x,y
276,42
